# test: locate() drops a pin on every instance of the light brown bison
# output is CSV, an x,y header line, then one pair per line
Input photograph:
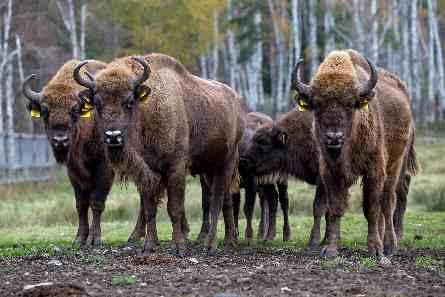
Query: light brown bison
x,y
363,127
161,122
76,142
287,148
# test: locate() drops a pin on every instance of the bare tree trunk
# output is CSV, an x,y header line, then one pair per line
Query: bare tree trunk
x,y
312,43
83,18
415,60
231,50
203,66
3,59
405,28
329,23
428,106
374,33
440,71
358,25
215,57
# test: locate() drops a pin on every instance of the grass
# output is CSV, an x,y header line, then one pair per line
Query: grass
x,y
123,280
40,218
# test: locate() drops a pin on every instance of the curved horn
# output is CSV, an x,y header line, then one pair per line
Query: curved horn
x,y
367,88
303,89
90,84
145,74
31,95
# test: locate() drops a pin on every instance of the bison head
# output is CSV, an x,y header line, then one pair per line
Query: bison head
x,y
116,93
59,106
266,153
335,95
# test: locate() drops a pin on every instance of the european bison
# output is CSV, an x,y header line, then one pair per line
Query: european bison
x,y
161,122
270,158
78,146
362,127
267,193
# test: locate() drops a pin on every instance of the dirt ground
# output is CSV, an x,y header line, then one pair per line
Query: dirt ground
x,y
248,272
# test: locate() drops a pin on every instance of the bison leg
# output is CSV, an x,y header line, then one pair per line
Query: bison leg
x,y
221,196
389,201
249,206
236,200
264,217
319,210
402,195
284,202
175,208
272,200
372,189
149,206
94,236
82,205
206,196
139,228
332,225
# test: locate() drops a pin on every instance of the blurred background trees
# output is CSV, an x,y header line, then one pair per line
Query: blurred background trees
x,y
251,45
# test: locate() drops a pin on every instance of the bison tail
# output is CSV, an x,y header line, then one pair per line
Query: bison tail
x,y
412,165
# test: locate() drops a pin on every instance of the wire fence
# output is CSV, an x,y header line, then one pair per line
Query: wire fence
x,y
25,157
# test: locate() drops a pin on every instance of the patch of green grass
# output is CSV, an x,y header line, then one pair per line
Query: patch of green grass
x,y
367,262
123,280
92,259
429,262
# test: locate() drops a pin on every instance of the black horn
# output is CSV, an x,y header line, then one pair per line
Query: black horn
x,y
303,89
31,95
367,88
145,74
90,83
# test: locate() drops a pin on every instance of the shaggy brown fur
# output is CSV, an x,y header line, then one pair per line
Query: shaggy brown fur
x,y
269,159
187,124
355,142
83,152
268,193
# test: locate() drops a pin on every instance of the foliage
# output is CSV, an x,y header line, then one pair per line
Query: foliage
x,y
123,280
182,28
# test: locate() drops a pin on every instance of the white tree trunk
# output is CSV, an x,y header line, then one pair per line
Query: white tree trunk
x,y
215,56
83,18
358,25
428,105
406,67
440,70
374,37
415,58
312,43
203,66
4,48
296,29
329,24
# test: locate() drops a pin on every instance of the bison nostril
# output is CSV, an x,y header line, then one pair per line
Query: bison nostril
x,y
114,137
338,136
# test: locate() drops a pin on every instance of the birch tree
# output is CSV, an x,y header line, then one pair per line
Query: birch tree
x,y
415,57
312,43
428,104
329,23
67,10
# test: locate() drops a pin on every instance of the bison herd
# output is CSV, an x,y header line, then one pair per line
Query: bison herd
x,y
150,121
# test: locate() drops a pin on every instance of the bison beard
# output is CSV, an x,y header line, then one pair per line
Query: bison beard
x,y
160,111
339,95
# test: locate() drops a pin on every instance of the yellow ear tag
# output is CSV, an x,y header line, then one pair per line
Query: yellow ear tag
x,y
302,105
143,97
364,106
87,110
35,113
86,114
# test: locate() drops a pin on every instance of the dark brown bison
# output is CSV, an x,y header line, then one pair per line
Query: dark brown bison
x,y
161,122
287,148
363,127
268,194
78,146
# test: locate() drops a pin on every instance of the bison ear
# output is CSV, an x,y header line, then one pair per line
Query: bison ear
x,y
143,93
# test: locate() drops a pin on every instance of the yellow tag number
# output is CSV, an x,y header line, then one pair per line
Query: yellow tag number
x,y
86,114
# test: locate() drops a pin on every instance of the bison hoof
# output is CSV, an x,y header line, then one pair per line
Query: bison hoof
x,y
329,251
178,252
212,252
